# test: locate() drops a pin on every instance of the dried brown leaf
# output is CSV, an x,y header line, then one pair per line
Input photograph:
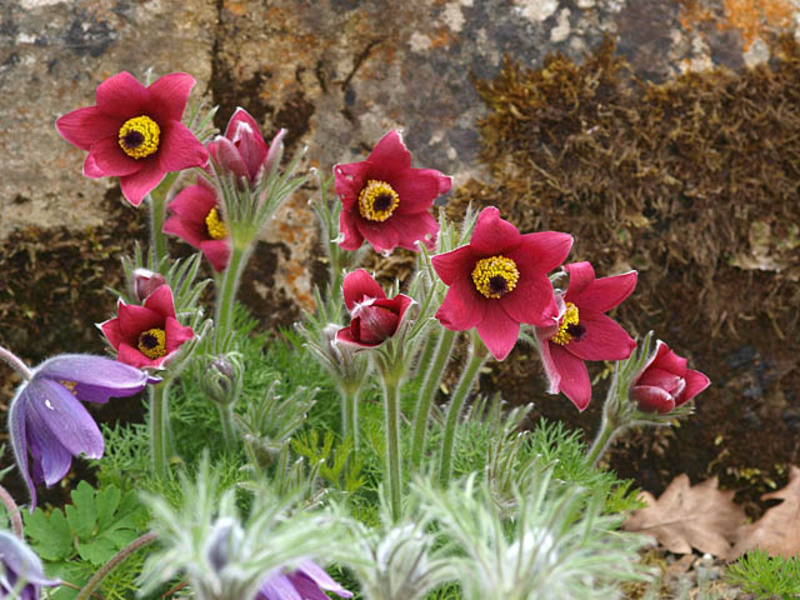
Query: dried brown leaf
x,y
686,517
778,531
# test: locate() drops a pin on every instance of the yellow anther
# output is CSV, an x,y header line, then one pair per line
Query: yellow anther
x,y
377,201
153,343
495,276
569,323
70,385
138,137
215,225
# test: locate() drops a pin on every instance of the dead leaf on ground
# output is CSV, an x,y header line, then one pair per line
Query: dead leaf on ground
x,y
686,517
778,531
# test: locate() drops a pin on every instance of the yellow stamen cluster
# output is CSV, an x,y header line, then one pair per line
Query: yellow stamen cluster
x,y
139,137
153,343
495,276
70,385
215,225
570,319
377,201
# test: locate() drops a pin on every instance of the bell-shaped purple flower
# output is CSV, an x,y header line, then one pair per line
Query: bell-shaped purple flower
x,y
20,566
308,581
243,152
46,415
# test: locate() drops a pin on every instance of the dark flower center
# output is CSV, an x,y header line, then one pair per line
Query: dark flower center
x,y
377,201
152,343
496,276
139,137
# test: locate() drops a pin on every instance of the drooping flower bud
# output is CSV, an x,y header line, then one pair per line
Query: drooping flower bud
x,y
222,545
222,378
145,282
22,575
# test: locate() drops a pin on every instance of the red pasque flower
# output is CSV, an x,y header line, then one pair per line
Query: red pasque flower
x,y
385,201
197,219
664,382
243,151
147,335
135,132
583,332
374,318
499,280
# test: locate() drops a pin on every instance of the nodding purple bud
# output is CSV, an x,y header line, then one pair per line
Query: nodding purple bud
x,y
145,282
275,153
223,543
21,572
222,379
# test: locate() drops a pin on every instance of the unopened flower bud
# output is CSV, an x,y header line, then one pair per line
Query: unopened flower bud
x,y
275,153
145,282
223,543
222,379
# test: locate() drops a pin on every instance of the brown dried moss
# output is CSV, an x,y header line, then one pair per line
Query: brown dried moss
x,y
694,183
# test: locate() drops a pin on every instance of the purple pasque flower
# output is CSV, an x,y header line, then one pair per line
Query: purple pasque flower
x,y
19,564
308,581
243,152
46,415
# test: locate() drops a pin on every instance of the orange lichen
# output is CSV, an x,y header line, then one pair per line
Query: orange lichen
x,y
753,19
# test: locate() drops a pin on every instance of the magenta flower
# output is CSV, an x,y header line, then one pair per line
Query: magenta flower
x,y
135,132
499,280
197,219
243,151
373,317
308,581
665,382
46,415
583,332
20,565
145,282
385,201
147,335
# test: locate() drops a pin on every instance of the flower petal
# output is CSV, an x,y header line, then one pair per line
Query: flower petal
x,y
20,559
543,251
602,294
358,286
652,399
133,320
136,186
168,95
132,356
227,156
161,302
112,331
389,157
498,331
121,96
696,382
85,126
454,265
574,378
97,378
462,308
550,370
278,587
51,460
176,334
350,179
217,252
179,148
17,431
531,301
345,336
191,232
494,235
65,417
320,577
418,188
351,236
604,338
667,359
380,237
419,227
111,161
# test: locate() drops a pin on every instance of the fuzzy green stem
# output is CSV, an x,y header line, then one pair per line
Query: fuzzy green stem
x,y
477,358
391,408
226,292
159,428
228,427
613,421
349,397
601,443
13,512
119,557
433,378
15,362
157,200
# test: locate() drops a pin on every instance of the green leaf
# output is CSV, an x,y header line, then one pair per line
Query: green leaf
x,y
71,572
107,502
50,536
82,514
98,551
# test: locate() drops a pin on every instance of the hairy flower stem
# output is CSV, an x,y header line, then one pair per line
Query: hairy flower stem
x,y
228,428
226,291
159,428
157,203
13,512
614,419
119,557
433,378
15,362
349,397
391,408
477,358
